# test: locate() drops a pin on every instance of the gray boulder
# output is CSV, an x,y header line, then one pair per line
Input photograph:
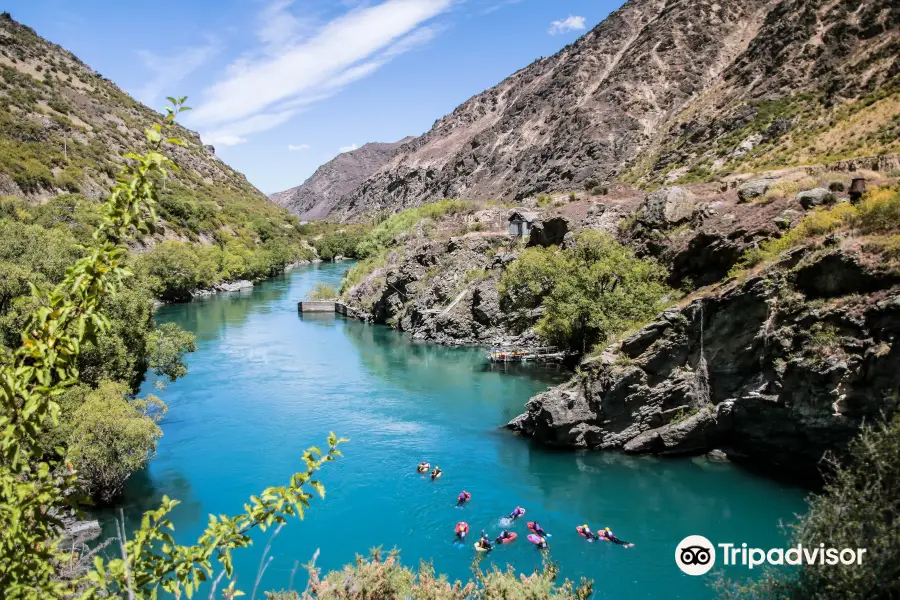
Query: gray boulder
x,y
755,188
669,206
815,197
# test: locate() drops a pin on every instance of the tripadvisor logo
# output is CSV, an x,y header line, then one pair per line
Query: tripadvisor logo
x,y
696,555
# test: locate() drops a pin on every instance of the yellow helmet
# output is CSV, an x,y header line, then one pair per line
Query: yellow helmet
x,y
607,528
585,526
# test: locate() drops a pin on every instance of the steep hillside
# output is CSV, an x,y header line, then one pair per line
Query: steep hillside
x,y
64,129
664,91
327,187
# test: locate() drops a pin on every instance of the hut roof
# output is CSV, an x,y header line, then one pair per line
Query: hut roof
x,y
520,214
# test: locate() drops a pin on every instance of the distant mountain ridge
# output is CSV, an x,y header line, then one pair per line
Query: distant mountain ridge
x,y
664,91
316,197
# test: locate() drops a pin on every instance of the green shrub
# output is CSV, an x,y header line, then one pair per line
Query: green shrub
x,y
322,291
111,437
879,211
589,292
340,243
167,345
544,200
362,269
379,577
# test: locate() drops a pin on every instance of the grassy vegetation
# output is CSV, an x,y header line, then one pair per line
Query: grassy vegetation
x,y
362,269
877,214
385,233
798,129
375,245
323,291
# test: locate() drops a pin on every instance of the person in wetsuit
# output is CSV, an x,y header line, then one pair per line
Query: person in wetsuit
x,y
436,472
462,498
486,541
539,530
518,512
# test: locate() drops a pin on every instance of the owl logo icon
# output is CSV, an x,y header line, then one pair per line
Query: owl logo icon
x,y
695,555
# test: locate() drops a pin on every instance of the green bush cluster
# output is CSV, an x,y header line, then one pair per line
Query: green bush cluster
x,y
322,291
174,270
378,576
589,291
340,243
37,245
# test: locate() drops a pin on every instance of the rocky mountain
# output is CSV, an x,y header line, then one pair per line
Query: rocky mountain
x,y
665,91
64,129
316,197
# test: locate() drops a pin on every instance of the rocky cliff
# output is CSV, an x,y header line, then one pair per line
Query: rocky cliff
x,y
665,91
317,197
778,368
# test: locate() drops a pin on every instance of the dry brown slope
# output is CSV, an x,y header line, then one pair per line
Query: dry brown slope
x,y
660,88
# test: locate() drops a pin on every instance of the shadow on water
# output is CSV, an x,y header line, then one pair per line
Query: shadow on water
x,y
385,352
142,493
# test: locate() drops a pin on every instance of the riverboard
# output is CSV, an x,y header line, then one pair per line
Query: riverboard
x,y
512,536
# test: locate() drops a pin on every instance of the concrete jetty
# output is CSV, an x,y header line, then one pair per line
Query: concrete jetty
x,y
308,306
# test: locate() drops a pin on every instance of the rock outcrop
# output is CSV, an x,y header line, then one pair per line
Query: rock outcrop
x,y
444,291
764,368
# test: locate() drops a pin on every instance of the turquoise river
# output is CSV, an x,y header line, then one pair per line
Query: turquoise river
x,y
265,383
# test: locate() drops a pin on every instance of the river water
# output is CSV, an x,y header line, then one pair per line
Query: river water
x,y
265,383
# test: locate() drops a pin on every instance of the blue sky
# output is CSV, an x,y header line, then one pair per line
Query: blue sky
x,y
282,86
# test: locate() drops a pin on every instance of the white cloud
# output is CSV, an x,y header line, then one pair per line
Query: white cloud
x,y
223,139
170,70
566,25
234,133
279,27
498,5
290,72
298,147
349,148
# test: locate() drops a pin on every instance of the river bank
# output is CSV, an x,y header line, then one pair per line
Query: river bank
x,y
266,382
